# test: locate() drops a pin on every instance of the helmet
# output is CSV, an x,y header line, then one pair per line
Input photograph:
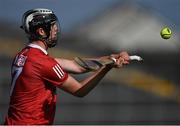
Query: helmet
x,y
40,18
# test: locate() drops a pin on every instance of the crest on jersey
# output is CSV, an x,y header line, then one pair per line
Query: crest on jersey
x,y
20,61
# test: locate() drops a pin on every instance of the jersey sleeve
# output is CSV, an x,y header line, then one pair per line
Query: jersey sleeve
x,y
53,73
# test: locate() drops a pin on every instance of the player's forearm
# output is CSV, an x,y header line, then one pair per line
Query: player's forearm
x,y
89,83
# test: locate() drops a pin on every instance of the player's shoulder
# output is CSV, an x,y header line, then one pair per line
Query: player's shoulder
x,y
27,51
37,57
35,52
49,61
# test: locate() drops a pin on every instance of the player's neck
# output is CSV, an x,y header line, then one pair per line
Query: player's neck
x,y
41,44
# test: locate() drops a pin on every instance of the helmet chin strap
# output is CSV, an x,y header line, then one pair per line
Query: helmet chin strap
x,y
51,43
48,41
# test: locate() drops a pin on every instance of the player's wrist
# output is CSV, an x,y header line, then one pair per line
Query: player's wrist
x,y
113,59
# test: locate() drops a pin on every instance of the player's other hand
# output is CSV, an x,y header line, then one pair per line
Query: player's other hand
x,y
122,58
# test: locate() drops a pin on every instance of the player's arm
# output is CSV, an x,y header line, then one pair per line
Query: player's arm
x,y
71,66
82,88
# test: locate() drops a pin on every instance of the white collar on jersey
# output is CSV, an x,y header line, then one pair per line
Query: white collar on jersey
x,y
38,47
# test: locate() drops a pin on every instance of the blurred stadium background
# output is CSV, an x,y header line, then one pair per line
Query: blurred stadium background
x,y
140,93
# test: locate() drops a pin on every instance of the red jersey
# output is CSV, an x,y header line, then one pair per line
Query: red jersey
x,y
35,77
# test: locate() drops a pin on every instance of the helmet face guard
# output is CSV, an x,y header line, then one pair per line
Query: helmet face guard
x,y
40,18
53,35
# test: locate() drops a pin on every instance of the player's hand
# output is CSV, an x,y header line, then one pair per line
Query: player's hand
x,y
120,59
